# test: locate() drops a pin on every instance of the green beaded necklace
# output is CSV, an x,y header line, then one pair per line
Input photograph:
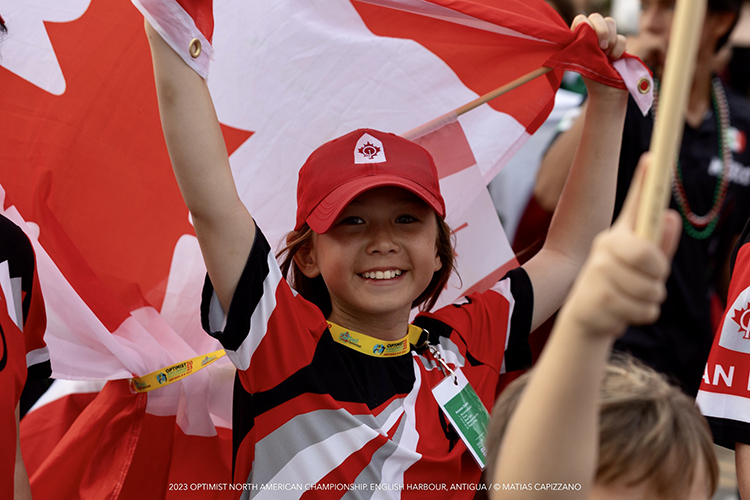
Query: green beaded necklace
x,y
701,227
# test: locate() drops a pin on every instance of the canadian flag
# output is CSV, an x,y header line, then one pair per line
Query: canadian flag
x,y
724,395
86,174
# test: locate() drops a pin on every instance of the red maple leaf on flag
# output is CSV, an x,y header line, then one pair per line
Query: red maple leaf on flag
x,y
90,167
100,188
481,72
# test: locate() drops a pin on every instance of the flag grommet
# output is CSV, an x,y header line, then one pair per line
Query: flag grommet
x,y
644,85
195,48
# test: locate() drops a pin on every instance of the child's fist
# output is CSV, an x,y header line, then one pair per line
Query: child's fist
x,y
612,44
606,30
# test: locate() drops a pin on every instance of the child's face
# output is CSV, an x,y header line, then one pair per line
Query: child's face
x,y
378,256
655,24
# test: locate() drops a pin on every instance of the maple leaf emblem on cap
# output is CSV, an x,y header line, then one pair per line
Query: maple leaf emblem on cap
x,y
369,150
742,318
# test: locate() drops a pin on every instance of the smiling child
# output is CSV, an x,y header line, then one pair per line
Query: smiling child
x,y
334,388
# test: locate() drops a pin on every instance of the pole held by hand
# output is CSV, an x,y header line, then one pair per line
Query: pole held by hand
x,y
670,120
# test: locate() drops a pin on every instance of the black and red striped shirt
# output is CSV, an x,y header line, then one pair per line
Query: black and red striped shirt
x,y
311,415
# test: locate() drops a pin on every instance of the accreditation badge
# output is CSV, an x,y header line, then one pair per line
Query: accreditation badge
x,y
465,411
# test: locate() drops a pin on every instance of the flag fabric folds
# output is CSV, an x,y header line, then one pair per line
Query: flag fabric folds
x,y
723,395
86,174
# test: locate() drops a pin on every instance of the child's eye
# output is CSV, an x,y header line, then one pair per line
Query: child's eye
x,y
406,219
351,221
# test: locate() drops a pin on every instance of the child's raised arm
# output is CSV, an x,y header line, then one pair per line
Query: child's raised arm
x,y
552,435
587,202
199,158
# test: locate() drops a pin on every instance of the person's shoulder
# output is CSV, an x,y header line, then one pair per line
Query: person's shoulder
x,y
513,294
10,232
14,244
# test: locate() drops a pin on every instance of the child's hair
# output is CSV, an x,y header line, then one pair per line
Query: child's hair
x,y
3,33
315,290
649,431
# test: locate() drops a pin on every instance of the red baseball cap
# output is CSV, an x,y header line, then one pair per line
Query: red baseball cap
x,y
342,169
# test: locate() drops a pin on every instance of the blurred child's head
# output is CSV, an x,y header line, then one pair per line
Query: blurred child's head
x,y
342,170
721,18
652,437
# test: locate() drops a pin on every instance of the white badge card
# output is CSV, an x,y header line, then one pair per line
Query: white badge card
x,y
465,411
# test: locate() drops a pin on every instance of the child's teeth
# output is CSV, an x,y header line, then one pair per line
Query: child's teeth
x,y
382,275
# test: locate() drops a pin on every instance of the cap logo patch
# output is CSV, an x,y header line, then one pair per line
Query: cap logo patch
x,y
369,150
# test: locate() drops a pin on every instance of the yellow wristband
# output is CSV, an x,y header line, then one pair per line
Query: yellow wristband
x,y
173,373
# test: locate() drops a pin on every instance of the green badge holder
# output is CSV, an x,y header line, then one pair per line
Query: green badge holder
x,y
465,411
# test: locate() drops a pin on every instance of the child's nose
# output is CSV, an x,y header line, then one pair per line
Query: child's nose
x,y
382,239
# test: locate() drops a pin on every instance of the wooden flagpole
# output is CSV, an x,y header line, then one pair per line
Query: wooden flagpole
x,y
670,120
501,90
452,115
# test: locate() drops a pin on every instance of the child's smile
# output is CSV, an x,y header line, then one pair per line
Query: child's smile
x,y
382,275
377,258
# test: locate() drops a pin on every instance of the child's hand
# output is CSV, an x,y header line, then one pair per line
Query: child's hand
x,y
606,30
612,44
623,281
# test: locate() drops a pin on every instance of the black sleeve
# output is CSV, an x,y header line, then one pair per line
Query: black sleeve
x,y
727,432
246,297
518,353
16,248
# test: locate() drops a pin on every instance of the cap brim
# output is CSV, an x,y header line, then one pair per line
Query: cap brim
x,y
325,214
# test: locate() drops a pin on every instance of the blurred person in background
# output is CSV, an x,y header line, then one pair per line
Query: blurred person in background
x,y
711,191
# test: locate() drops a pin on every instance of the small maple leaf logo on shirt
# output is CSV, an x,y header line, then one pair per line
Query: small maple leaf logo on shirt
x,y
742,318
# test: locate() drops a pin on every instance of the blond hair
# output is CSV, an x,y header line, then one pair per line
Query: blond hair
x,y
649,431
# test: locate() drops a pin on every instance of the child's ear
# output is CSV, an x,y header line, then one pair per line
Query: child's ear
x,y
438,262
306,261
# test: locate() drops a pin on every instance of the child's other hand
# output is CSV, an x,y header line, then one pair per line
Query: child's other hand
x,y
612,44
623,281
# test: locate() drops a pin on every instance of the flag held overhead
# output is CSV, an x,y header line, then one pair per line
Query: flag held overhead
x,y
187,26
529,24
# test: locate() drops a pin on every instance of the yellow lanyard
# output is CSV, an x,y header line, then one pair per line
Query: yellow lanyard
x,y
374,347
173,373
